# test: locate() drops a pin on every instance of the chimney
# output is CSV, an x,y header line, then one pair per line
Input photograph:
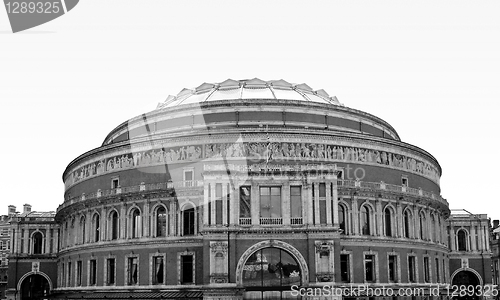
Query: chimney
x,y
495,224
12,210
26,208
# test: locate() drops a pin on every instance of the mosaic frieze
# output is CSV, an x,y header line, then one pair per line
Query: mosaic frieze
x,y
254,150
309,151
137,159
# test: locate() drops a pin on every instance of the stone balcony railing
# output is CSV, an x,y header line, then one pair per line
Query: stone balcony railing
x,y
391,187
143,187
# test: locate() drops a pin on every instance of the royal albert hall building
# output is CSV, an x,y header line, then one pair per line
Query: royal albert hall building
x,y
250,189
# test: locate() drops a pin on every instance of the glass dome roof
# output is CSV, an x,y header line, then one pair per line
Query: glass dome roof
x,y
248,89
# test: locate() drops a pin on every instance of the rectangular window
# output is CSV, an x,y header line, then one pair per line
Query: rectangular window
x,y
404,181
188,178
110,276
187,269
93,272
245,202
393,267
426,270
344,268
322,203
218,203
69,273
438,276
322,211
132,270
370,268
270,202
296,201
115,183
411,269
322,190
79,273
158,272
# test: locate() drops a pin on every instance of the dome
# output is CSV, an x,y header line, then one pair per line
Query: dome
x,y
248,89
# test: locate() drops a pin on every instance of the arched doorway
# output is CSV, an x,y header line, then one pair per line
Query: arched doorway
x,y
269,273
34,287
466,278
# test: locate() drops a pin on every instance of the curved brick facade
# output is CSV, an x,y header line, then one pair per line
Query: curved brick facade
x,y
208,197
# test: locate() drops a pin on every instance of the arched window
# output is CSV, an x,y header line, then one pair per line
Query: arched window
x,y
114,225
270,272
136,229
37,243
407,223
422,226
365,220
96,224
188,221
462,240
161,221
342,219
82,228
388,221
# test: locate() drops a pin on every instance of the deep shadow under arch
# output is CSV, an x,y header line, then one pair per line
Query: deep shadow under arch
x,y
466,278
34,287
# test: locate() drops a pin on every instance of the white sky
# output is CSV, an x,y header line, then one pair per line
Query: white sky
x,y
429,68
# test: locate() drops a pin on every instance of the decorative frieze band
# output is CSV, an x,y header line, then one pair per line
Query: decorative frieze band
x,y
254,151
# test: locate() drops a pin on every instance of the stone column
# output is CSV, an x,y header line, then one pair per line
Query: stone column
x,y
205,203
473,238
146,217
379,218
254,203
428,221
234,205
355,216
416,220
56,240
104,224
399,220
328,203
309,206
48,236
285,207
123,222
453,245
213,202
487,242
335,207
480,237
224,203
26,239
13,241
90,229
316,203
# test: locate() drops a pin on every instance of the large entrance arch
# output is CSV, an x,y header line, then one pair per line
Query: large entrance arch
x,y
269,269
466,277
34,287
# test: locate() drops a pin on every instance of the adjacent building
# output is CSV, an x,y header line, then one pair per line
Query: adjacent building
x,y
32,265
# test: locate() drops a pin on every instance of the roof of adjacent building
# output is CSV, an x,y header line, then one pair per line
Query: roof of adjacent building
x,y
248,89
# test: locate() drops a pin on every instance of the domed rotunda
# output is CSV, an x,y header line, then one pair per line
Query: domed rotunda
x,y
250,189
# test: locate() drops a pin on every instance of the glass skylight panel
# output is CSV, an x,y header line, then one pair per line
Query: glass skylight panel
x,y
223,94
287,94
252,93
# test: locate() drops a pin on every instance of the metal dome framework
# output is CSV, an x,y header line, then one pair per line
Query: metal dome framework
x,y
248,89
